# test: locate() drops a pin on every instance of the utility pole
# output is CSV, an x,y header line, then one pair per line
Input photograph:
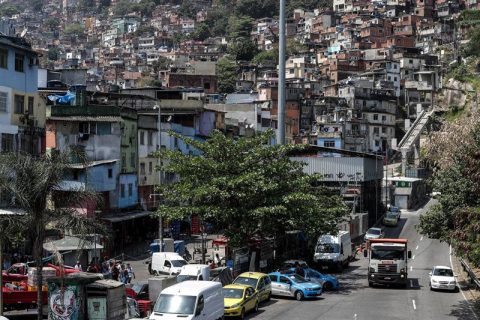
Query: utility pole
x,y
386,177
159,149
281,76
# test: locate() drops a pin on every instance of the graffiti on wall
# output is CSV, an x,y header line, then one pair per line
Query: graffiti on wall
x,y
63,302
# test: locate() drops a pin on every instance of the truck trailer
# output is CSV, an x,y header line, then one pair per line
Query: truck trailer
x,y
387,261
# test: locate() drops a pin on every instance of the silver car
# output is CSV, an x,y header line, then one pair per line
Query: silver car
x,y
374,233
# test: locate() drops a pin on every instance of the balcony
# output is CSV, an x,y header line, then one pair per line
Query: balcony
x,y
418,85
89,111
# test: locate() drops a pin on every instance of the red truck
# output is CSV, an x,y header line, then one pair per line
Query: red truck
x,y
19,298
18,272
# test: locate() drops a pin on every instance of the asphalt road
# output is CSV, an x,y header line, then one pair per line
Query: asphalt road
x,y
355,300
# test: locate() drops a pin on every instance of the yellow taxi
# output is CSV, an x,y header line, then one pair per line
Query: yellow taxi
x,y
259,281
239,299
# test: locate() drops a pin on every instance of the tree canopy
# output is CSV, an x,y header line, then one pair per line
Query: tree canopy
x,y
247,187
227,74
453,154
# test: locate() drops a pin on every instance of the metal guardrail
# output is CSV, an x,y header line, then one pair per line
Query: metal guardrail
x,y
471,275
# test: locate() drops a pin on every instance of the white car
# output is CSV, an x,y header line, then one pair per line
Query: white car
x,y
443,278
373,233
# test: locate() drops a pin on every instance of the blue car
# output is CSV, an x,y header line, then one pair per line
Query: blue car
x,y
327,281
293,285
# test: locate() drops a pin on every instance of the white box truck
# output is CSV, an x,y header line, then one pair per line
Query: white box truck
x,y
334,251
196,272
191,300
167,263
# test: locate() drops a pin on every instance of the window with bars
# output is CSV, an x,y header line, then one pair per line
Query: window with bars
x,y
3,102
19,103
3,58
19,62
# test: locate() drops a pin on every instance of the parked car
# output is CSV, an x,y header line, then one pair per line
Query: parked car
x,y
443,278
239,299
374,233
259,281
137,291
394,210
293,285
391,219
328,282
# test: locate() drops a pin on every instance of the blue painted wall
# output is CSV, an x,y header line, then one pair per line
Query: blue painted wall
x,y
338,142
97,178
179,144
126,199
26,81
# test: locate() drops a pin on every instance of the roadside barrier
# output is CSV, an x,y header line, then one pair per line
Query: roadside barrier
x,y
471,275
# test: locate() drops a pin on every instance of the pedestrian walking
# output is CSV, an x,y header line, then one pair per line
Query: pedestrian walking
x,y
115,272
130,272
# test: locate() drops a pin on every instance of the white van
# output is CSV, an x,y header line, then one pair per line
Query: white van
x,y
196,272
334,251
199,300
167,263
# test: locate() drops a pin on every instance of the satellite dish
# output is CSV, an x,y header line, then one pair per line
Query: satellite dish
x,y
24,32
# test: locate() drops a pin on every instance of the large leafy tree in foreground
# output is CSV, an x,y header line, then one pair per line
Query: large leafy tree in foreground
x,y
454,154
247,187
34,184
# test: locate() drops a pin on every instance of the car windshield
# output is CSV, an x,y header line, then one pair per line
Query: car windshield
x,y
178,263
137,288
232,293
313,273
248,281
297,278
185,277
381,253
374,231
176,304
443,272
391,215
328,248
394,209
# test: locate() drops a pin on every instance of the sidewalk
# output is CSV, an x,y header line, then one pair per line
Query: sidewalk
x,y
468,290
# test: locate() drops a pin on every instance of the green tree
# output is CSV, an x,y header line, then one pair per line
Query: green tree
x,y
227,74
34,185
53,54
202,32
247,187
267,57
52,23
473,46
217,21
243,49
294,47
74,29
123,7
8,10
187,10
257,9
239,27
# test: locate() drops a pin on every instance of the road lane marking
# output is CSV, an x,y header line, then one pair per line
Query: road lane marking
x,y
414,305
411,268
411,283
355,316
413,258
421,238
416,248
461,291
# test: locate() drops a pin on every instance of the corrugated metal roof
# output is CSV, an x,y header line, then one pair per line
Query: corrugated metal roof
x,y
123,216
92,163
70,243
84,118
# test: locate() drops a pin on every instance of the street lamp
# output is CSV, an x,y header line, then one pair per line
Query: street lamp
x,y
159,148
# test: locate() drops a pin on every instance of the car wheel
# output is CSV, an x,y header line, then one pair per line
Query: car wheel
x,y
269,297
256,307
299,295
150,268
242,314
156,273
327,286
340,267
457,289
370,284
